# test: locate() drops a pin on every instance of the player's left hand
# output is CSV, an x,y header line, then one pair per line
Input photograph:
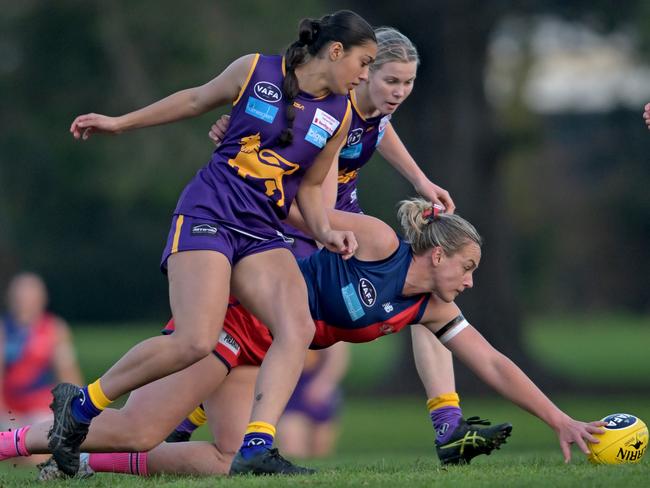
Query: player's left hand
x,y
436,194
571,431
340,241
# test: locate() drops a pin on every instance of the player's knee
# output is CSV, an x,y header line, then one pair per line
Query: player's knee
x,y
297,334
146,442
190,350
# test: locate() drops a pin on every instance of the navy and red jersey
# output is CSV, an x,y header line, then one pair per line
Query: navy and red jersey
x,y
29,356
359,301
350,300
251,180
364,136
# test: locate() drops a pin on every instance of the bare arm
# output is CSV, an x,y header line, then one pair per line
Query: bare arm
x,y
183,104
393,150
505,377
329,192
310,198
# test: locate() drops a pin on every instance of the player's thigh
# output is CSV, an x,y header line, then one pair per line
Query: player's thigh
x,y
199,286
271,286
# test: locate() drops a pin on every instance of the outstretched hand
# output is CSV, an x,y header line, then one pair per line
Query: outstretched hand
x,y
341,242
84,125
575,432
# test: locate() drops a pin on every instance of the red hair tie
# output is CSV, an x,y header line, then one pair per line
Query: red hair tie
x,y
431,211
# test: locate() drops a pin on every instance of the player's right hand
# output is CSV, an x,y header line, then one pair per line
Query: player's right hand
x,y
218,130
85,125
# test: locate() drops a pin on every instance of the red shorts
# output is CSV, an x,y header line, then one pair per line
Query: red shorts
x,y
244,339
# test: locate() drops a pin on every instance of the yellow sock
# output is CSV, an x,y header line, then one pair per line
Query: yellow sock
x,y
263,427
97,396
198,417
445,400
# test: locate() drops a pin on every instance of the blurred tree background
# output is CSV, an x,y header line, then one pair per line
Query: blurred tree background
x,y
529,113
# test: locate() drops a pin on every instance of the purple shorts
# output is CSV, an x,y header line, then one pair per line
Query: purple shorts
x,y
318,414
196,234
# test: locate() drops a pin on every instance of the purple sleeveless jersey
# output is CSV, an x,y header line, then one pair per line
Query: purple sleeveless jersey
x,y
363,138
250,182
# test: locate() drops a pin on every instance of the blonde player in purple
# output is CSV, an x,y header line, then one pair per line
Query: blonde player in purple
x,y
391,81
290,115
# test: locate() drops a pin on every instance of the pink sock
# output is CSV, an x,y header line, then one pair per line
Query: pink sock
x,y
12,443
119,462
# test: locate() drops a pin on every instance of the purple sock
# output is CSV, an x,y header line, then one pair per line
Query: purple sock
x,y
186,426
445,421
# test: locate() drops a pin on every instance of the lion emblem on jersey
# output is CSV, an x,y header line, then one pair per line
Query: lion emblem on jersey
x,y
347,176
265,165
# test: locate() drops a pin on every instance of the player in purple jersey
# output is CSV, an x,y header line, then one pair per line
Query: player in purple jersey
x,y
290,115
391,81
420,277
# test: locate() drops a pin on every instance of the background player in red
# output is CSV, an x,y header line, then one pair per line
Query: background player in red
x,y
36,352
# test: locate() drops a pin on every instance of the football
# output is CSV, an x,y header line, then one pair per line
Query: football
x,y
624,441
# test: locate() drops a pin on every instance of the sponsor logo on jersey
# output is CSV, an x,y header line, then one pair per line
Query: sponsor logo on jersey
x,y
352,302
351,152
354,137
384,122
204,230
229,341
325,121
388,307
367,292
382,126
267,91
261,110
317,136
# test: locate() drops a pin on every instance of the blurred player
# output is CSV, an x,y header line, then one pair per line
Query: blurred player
x,y
37,352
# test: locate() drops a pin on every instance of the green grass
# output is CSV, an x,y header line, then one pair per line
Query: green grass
x,y
594,349
389,442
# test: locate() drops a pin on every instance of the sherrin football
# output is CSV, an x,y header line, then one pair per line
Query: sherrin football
x,y
624,441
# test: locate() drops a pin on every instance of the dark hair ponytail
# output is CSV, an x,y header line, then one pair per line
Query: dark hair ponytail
x,y
343,26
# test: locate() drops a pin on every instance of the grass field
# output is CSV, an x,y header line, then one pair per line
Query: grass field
x,y
389,442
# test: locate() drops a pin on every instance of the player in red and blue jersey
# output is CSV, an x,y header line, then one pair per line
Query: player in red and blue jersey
x,y
36,352
289,116
389,284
